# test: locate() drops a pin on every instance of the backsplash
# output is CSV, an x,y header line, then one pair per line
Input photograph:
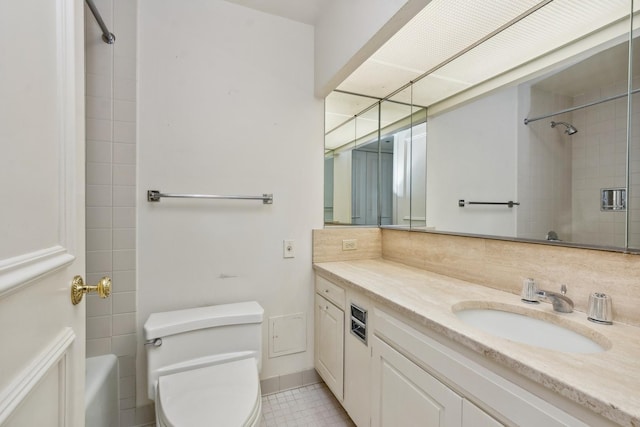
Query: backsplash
x,y
502,264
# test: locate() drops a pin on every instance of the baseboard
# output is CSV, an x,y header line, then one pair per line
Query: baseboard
x,y
289,381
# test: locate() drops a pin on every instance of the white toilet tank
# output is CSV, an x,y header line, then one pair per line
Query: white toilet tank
x,y
197,337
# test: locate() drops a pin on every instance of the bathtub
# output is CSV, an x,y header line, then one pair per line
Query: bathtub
x,y
101,392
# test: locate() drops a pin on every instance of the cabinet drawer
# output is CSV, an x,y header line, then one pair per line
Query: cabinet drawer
x,y
330,291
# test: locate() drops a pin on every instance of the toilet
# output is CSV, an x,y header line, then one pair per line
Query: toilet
x,y
203,365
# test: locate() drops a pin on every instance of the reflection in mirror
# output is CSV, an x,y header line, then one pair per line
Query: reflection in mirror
x,y
410,163
525,108
368,162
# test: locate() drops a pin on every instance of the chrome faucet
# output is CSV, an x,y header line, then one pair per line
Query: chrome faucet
x,y
559,301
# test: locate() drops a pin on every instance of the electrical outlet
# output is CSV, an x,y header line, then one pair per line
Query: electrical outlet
x,y
349,244
288,249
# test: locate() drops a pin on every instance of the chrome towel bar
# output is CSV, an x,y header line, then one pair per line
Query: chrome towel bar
x,y
510,203
155,196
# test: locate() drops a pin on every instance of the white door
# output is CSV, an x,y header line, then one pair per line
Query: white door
x,y
42,344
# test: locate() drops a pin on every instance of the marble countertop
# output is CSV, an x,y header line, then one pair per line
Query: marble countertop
x,y
607,383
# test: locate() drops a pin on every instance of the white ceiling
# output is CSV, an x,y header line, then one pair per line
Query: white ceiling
x,y
305,11
440,46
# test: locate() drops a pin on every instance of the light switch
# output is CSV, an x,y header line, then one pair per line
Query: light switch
x,y
288,249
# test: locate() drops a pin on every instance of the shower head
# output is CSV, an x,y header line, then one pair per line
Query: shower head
x,y
570,130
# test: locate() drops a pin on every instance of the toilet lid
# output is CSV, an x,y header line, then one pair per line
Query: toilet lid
x,y
222,395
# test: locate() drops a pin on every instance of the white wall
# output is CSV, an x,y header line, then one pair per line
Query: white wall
x,y
226,106
471,155
349,32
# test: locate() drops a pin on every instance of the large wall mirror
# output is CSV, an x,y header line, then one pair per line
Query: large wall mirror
x,y
516,122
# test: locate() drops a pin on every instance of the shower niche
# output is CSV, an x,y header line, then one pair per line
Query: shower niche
x,y
613,199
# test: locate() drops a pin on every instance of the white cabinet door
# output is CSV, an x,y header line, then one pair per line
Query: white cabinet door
x,y
403,394
329,345
472,416
42,212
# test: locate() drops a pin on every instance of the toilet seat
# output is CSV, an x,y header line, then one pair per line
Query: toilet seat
x,y
221,395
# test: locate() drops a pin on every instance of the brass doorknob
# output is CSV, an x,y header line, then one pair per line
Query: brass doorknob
x,y
78,289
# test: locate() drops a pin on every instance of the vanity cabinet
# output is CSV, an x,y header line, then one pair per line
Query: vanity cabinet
x,y
342,356
405,365
472,416
403,393
329,335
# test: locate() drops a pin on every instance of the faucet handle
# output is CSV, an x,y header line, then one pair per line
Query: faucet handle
x,y
563,289
529,291
600,309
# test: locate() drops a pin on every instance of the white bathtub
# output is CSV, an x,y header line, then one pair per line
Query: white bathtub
x,y
101,392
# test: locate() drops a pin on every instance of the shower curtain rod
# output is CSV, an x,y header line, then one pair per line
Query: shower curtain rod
x,y
107,36
578,107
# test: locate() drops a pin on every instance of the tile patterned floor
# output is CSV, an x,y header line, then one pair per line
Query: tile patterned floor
x,y
309,406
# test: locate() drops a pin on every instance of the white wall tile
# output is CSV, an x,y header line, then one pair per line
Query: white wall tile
x,y
124,196
124,302
98,261
127,417
124,324
98,327
124,174
123,345
128,403
98,173
124,132
124,238
98,55
99,108
127,387
124,153
145,415
98,195
126,366
100,130
98,347
98,85
111,115
124,260
98,240
124,217
99,151
124,67
124,111
97,306
125,15
124,281
124,89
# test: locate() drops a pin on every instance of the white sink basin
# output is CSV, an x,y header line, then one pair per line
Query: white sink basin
x,y
529,330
